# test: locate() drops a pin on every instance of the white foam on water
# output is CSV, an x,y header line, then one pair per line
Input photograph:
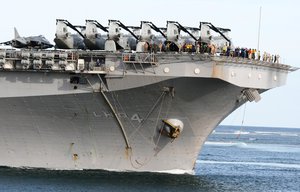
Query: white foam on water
x,y
222,133
231,133
245,132
274,147
289,134
177,172
265,133
258,146
264,164
225,144
241,133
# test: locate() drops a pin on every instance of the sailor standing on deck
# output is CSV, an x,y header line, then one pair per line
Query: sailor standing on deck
x,y
277,56
160,46
224,50
197,47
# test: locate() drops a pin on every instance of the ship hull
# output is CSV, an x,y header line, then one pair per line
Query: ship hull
x,y
72,131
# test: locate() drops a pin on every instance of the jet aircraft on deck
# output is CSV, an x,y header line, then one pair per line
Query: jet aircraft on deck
x,y
36,42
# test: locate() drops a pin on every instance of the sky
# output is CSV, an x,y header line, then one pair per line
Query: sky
x,y
279,107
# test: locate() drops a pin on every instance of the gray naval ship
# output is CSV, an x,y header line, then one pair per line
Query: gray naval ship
x,y
147,109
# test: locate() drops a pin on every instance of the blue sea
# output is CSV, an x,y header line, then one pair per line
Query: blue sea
x,y
233,159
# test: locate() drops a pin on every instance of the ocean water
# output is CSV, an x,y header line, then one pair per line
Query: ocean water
x,y
233,159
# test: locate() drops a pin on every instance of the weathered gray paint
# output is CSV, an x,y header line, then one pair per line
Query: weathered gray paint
x,y
46,122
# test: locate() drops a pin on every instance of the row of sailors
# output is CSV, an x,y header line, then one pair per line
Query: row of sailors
x,y
212,49
250,54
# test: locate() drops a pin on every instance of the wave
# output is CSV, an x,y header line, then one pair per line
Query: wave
x,y
225,144
221,133
231,133
258,146
265,164
178,172
241,133
289,134
284,134
275,148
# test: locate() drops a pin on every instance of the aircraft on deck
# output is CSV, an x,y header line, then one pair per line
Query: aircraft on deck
x,y
64,39
117,40
94,40
36,42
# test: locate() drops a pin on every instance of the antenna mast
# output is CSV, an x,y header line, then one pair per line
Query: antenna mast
x,y
259,23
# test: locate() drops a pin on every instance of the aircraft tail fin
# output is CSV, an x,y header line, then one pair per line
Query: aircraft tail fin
x,y
17,35
19,39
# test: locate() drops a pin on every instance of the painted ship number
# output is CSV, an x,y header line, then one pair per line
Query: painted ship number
x,y
134,117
